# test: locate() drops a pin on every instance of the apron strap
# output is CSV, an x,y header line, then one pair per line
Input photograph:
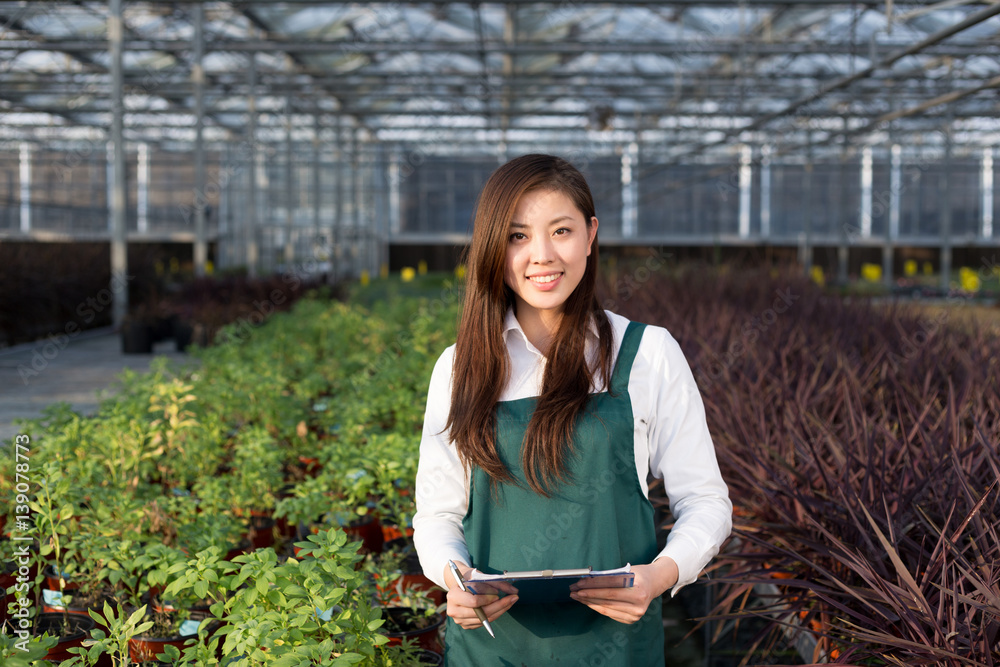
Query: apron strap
x,y
626,355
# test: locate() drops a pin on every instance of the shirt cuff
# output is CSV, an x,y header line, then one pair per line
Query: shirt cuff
x,y
433,561
688,557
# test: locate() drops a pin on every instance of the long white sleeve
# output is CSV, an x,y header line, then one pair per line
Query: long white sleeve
x,y
681,452
442,494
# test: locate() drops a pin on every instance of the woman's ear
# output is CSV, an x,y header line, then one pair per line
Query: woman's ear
x,y
591,234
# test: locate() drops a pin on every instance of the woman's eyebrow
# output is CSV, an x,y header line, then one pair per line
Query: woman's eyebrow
x,y
521,225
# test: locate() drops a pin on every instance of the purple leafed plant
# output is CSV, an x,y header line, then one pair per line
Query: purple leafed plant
x,y
860,445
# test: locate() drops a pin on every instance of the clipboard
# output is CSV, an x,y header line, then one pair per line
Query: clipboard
x,y
539,586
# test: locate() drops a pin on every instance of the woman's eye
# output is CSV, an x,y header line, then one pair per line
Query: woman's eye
x,y
517,236
563,230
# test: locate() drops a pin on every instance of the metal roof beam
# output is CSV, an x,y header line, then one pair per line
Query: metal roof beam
x,y
683,3
792,107
686,48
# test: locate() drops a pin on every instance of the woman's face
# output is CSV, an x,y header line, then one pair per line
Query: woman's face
x,y
547,248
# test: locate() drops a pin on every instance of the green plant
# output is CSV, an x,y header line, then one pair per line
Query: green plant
x,y
123,568
177,437
395,472
115,641
312,502
54,517
257,471
25,652
207,529
200,580
310,610
84,566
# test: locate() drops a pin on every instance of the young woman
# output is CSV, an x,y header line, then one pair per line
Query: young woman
x,y
542,424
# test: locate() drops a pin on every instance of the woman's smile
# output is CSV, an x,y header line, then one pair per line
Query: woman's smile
x,y
546,281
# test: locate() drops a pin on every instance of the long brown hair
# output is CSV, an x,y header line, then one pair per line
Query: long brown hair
x,y
481,366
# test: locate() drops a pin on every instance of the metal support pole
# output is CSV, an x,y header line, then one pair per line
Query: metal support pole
x,y
987,190
253,251
395,201
944,196
866,192
25,186
317,200
200,202
745,176
892,229
843,250
142,189
765,193
338,221
629,192
355,202
224,233
290,199
119,248
384,213
807,250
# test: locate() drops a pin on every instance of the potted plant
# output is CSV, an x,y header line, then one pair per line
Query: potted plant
x,y
55,519
181,592
137,330
51,637
208,529
311,608
83,581
255,481
411,614
185,452
114,642
196,582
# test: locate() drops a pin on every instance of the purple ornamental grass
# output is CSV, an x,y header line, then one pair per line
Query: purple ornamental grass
x,y
860,445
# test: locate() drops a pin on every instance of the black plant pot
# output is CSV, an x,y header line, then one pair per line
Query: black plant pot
x,y
162,328
183,334
71,633
137,338
431,658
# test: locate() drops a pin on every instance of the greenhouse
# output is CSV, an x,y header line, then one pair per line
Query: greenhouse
x,y
238,238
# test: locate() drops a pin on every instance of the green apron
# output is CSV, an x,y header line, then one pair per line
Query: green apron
x,y
600,518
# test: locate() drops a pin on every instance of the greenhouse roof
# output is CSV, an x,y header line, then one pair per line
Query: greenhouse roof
x,y
693,77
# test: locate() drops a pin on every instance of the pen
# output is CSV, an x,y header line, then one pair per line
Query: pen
x,y
480,614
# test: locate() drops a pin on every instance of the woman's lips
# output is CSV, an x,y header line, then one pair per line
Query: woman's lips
x,y
551,280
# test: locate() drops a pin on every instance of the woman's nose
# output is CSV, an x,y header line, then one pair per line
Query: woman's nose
x,y
542,251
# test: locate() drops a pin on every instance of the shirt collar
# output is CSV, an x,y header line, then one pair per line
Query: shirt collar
x,y
511,324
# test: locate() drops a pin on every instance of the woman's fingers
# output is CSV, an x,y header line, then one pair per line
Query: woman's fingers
x,y
462,604
624,605
462,607
499,608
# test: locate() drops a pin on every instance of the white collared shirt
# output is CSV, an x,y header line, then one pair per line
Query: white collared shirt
x,y
672,442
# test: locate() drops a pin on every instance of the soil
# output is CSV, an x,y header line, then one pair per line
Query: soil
x,y
63,626
404,619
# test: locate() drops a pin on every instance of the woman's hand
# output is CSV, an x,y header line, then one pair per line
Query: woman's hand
x,y
462,604
628,605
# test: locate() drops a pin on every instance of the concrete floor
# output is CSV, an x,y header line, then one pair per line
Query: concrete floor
x,y
38,374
